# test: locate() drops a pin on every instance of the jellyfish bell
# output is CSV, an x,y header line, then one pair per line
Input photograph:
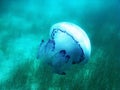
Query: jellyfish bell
x,y
72,38
68,45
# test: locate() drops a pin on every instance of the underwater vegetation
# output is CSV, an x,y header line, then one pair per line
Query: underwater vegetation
x,y
24,23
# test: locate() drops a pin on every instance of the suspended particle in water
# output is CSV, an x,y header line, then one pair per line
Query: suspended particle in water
x,y
68,44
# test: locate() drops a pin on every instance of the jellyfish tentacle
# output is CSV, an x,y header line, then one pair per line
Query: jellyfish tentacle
x,y
46,48
59,57
63,73
58,61
67,57
50,46
81,57
41,49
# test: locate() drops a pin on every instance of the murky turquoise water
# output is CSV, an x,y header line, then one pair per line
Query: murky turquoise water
x,y
23,23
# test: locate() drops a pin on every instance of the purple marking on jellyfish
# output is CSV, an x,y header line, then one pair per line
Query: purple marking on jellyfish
x,y
62,53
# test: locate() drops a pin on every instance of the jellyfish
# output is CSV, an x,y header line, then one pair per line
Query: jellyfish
x,y
67,45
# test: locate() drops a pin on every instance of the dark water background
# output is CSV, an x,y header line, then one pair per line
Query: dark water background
x,y
23,23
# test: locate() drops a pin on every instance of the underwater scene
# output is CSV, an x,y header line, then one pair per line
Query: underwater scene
x,y
59,44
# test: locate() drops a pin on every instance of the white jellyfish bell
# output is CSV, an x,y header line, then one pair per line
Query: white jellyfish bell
x,y
68,44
